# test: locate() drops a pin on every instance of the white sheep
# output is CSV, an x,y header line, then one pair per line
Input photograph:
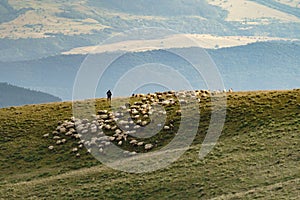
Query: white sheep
x,y
51,147
148,146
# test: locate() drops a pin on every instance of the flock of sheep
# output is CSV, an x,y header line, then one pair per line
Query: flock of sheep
x,y
127,124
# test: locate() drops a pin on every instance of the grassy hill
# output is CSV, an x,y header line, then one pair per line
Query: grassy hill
x,y
257,155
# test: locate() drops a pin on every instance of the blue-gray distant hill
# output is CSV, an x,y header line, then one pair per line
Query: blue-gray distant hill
x,y
257,66
162,8
266,65
8,13
11,95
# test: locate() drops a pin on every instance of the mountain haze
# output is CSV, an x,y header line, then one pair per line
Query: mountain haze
x,y
265,65
15,96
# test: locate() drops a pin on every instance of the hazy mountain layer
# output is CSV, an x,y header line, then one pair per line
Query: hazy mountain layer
x,y
268,65
15,96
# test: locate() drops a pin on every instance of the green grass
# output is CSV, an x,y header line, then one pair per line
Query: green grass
x,y
257,156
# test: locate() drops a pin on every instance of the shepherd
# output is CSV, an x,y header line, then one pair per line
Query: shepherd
x,y
109,94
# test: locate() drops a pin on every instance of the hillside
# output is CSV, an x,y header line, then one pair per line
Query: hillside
x,y
256,157
8,13
158,8
15,96
35,29
281,7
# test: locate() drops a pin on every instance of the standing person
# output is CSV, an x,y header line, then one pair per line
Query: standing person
x,y
109,94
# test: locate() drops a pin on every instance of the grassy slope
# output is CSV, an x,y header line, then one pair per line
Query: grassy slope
x,y
257,156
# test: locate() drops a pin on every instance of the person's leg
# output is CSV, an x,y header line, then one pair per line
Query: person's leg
x,y
109,101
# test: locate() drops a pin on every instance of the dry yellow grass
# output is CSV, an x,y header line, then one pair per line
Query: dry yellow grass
x,y
240,10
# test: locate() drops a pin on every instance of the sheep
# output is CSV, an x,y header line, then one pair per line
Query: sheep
x,y
70,125
134,142
165,102
146,116
123,122
108,127
100,112
178,112
62,130
73,119
182,101
51,147
144,123
68,133
204,95
163,112
80,128
93,129
140,143
132,153
169,95
148,146
76,136
108,121
104,116
55,133
56,137
84,121
72,130
134,112
136,127
144,99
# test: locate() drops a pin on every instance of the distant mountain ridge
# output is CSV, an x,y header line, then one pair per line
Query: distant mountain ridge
x,y
162,8
265,65
15,96
35,29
